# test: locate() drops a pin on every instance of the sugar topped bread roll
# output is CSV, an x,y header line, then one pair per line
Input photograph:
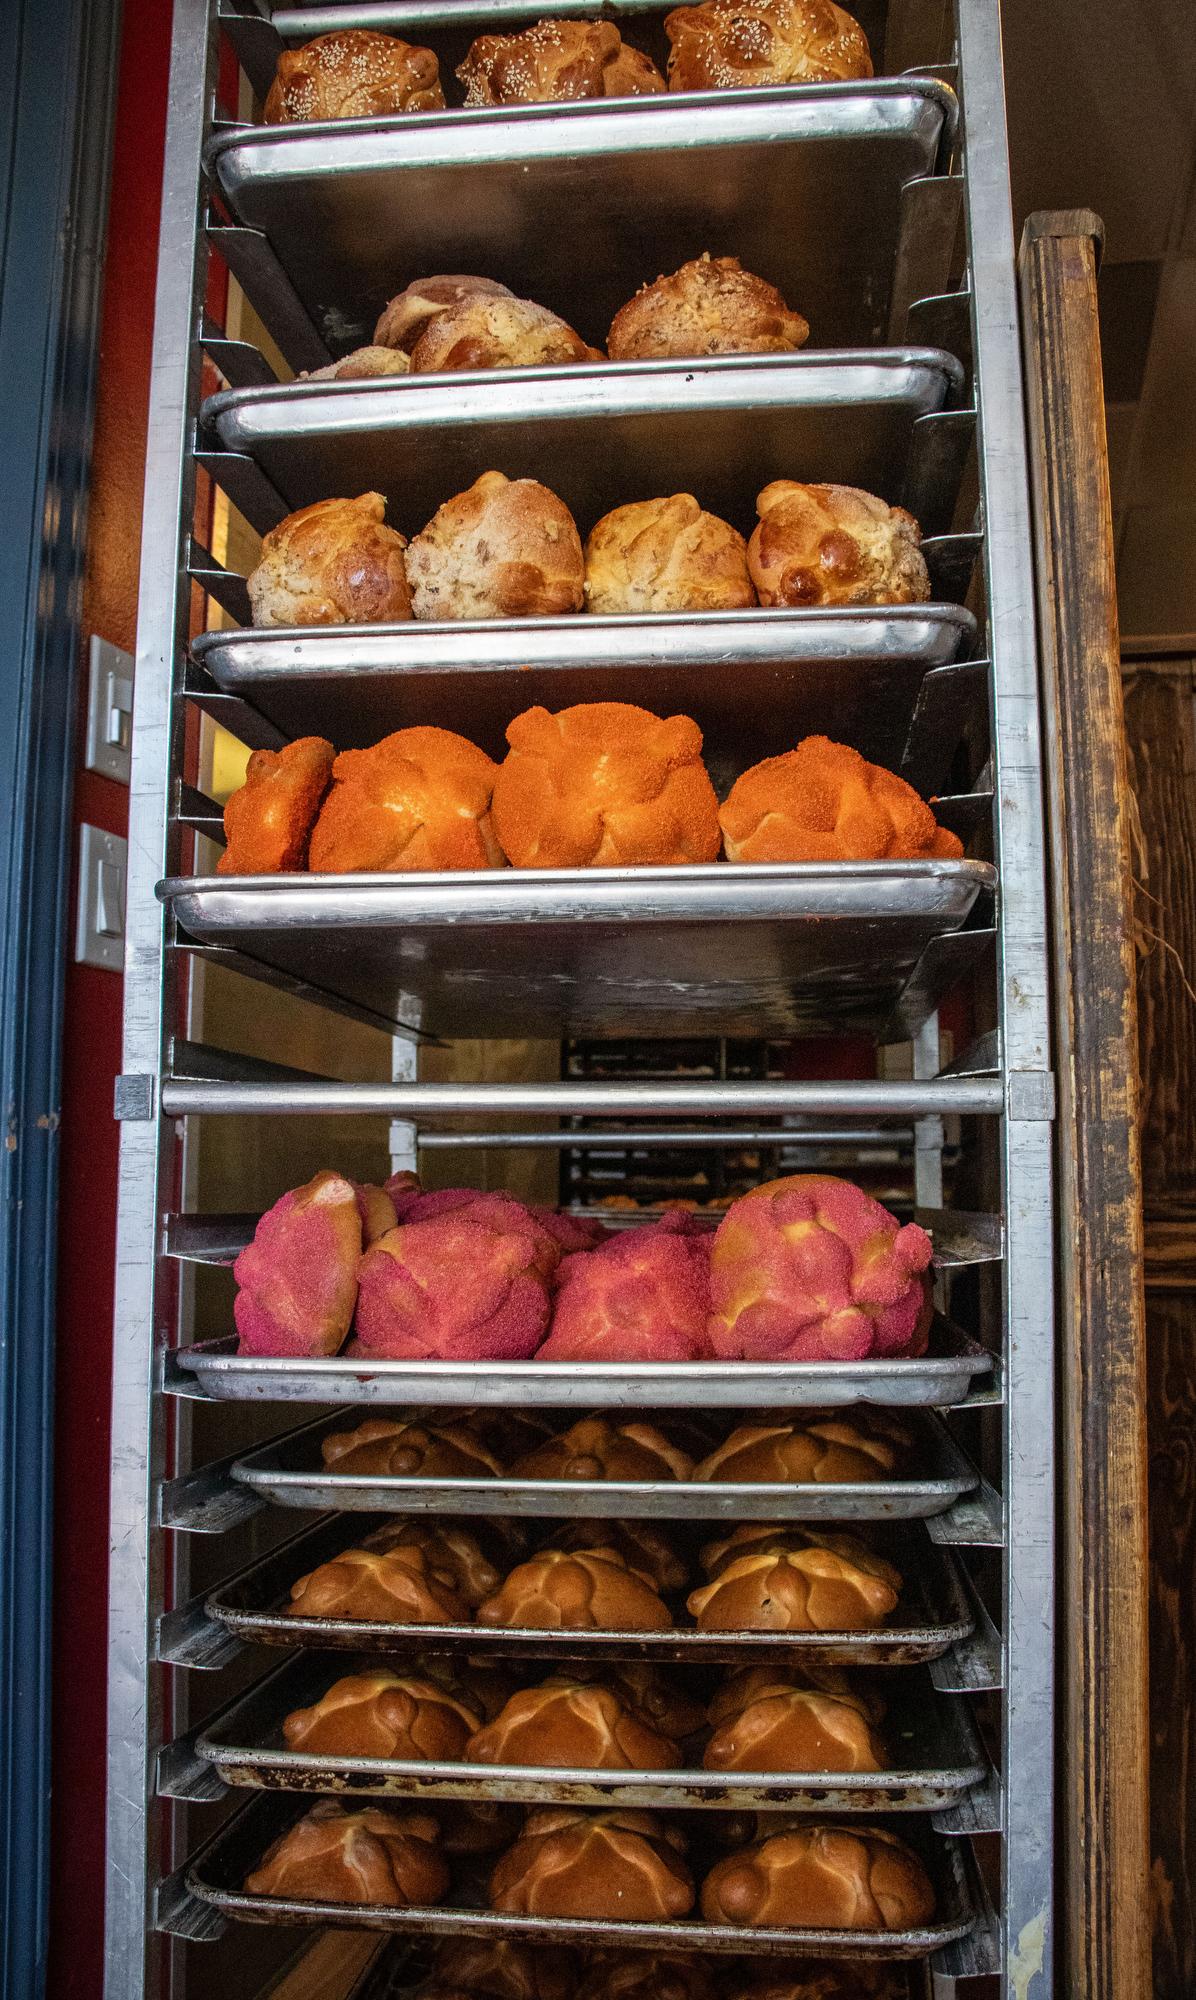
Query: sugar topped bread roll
x,y
604,784
824,1583
334,563
505,548
580,1590
728,44
556,60
297,1278
598,1865
399,1450
824,802
839,1878
709,306
601,1448
333,1855
482,332
352,73
504,1968
381,1586
364,364
384,1714
406,317
666,555
420,799
825,545
786,1728
268,820
832,1450
575,1725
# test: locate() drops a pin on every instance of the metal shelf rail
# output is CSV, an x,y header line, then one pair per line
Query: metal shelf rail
x,y
922,384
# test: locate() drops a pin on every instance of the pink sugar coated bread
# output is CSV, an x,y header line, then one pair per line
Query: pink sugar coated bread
x,y
298,1277
811,1268
464,1277
642,1296
573,1233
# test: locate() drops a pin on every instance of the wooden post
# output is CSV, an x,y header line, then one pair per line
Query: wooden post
x,y
1103,1735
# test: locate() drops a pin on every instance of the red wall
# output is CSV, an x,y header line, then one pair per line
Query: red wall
x,y
87,1230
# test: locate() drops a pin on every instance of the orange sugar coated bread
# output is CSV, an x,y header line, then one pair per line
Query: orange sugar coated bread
x,y
268,820
599,1448
352,73
382,1586
407,316
831,1450
709,306
572,1724
785,1728
505,548
838,1877
484,332
828,545
666,555
615,1864
824,802
807,1583
556,61
334,563
384,1714
604,784
420,799
577,1590
333,1855
730,44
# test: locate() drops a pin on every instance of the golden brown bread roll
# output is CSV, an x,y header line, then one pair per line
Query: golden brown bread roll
x,y
477,1826
383,1714
604,1448
719,1551
575,1725
824,802
604,785
821,1877
730,44
825,545
646,1975
828,1583
643,1548
796,1729
268,820
408,315
554,61
750,1684
662,1703
666,555
379,1445
798,1453
370,1856
419,799
585,1590
816,1980
566,1863
505,1968
352,73
709,306
482,332
450,1548
334,563
364,364
384,1586
505,548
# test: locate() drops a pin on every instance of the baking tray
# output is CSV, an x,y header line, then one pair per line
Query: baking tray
x,y
289,1472
576,205
770,949
939,1757
941,1379
216,1872
250,1606
598,434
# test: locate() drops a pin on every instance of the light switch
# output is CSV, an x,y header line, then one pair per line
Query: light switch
x,y
100,924
109,710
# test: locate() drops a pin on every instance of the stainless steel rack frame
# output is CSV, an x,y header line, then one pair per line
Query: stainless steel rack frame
x,y
913,171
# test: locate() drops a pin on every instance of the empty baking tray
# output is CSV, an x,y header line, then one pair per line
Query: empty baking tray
x,y
577,205
936,1753
216,1873
597,434
772,949
934,1611
755,682
941,1379
290,1472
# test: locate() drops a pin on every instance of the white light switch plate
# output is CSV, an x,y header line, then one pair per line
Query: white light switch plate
x,y
109,710
100,924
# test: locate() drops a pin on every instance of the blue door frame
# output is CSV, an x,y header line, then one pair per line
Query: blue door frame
x,y
57,75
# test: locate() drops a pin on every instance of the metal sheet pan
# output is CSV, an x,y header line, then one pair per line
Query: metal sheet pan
x,y
289,1471
770,949
597,434
216,1873
577,205
937,1757
940,1379
251,1605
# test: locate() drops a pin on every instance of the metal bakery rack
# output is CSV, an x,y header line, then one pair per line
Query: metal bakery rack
x,y
882,209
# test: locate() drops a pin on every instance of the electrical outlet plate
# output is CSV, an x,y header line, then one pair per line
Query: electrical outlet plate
x,y
109,710
100,923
